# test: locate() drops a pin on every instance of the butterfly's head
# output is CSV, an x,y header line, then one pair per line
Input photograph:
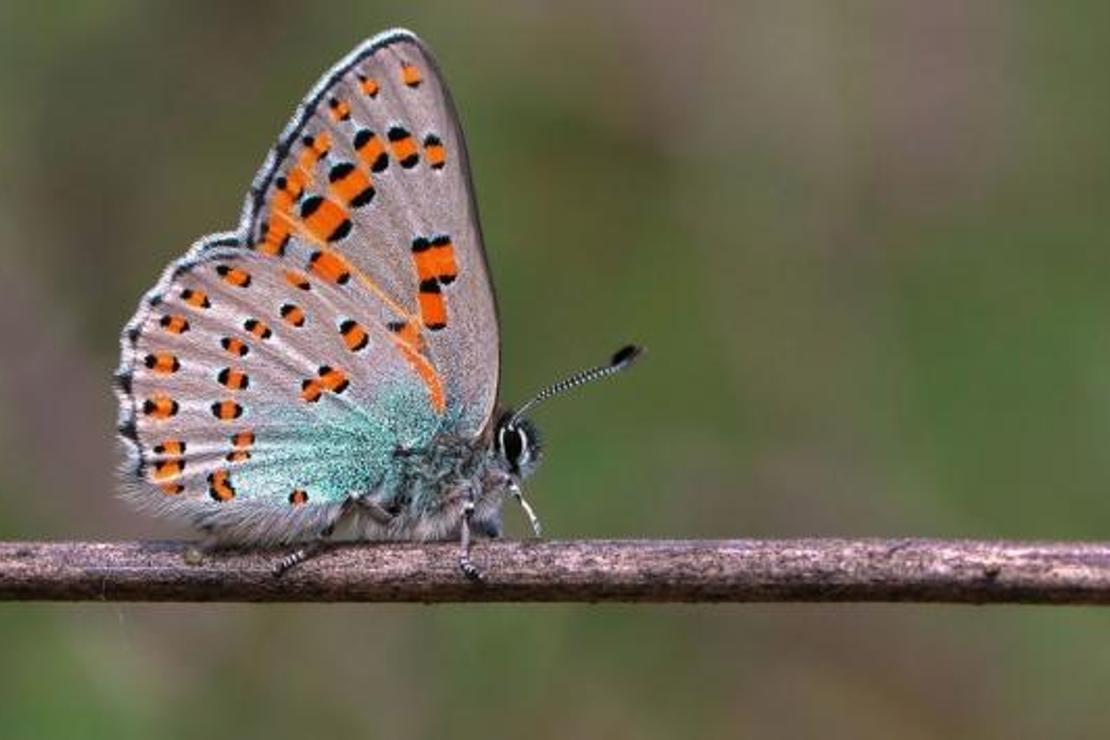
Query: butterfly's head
x,y
517,444
516,440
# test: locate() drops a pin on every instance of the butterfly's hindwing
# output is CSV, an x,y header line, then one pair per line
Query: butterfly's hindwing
x,y
230,403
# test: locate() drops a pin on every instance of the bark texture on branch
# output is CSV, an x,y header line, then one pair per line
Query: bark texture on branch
x,y
810,570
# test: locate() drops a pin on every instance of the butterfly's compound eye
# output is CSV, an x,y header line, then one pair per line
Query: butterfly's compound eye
x,y
518,444
513,444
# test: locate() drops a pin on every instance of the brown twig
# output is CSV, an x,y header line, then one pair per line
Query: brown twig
x,y
813,570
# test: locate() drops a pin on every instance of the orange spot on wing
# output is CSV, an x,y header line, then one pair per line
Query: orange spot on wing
x,y
333,380
354,336
234,379
234,347
351,185
434,260
371,150
257,328
275,237
316,148
292,315
162,363
168,469
325,219
425,266
298,280
234,275
195,298
330,266
404,148
339,109
442,255
435,152
288,189
174,324
368,85
298,178
226,410
433,309
160,407
311,390
329,379
219,485
173,447
410,75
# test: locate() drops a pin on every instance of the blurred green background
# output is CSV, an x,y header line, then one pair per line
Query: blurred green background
x,y
864,242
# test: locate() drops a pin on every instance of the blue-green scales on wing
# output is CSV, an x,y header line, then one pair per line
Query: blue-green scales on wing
x,y
330,369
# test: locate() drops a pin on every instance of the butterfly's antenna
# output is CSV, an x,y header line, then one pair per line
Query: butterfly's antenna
x,y
622,360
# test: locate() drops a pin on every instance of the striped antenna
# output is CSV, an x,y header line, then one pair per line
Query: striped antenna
x,y
621,360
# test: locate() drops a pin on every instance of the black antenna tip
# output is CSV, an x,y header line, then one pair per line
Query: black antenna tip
x,y
626,355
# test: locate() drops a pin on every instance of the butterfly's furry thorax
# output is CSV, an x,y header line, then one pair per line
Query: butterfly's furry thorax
x,y
434,484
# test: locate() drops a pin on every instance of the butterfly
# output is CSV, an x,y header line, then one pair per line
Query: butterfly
x,y
330,369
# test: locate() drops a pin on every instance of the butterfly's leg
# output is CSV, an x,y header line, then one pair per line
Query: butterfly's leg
x,y
532,518
469,569
301,554
317,545
375,511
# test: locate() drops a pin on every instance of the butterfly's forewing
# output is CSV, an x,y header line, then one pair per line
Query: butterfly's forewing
x,y
277,369
370,183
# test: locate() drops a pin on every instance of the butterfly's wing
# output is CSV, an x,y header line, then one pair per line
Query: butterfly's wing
x,y
274,370
248,389
371,183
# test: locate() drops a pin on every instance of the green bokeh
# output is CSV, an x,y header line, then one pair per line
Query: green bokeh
x,y
865,244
